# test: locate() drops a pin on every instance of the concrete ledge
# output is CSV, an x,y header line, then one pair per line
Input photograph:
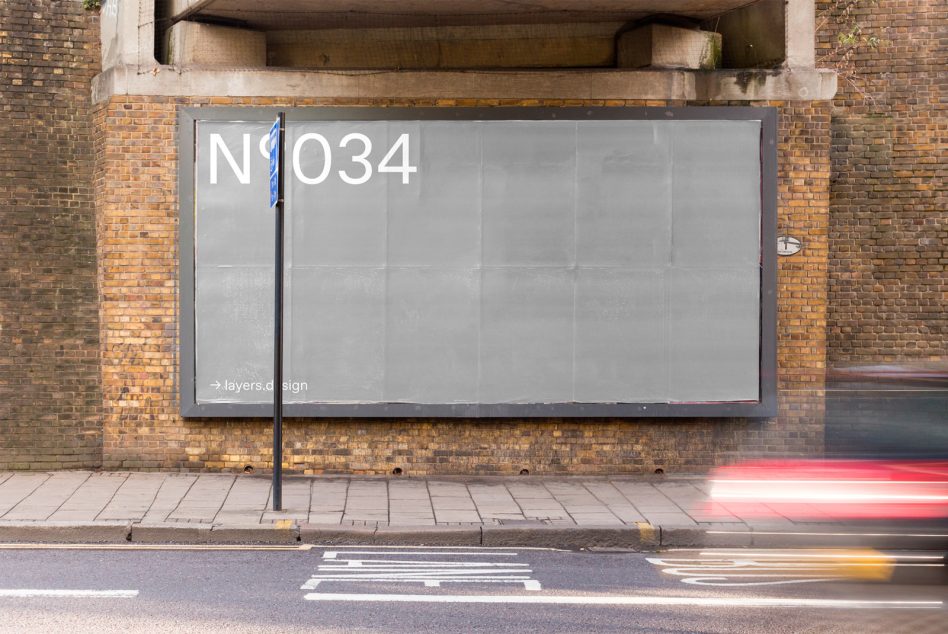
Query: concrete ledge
x,y
642,537
65,532
784,84
680,85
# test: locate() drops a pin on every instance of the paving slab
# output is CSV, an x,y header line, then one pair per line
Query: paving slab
x,y
204,498
580,512
297,494
169,496
90,498
17,487
48,497
134,498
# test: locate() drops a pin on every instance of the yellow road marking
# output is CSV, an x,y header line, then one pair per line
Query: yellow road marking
x,y
646,531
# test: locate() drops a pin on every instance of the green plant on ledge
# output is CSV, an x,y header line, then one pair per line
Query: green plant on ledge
x,y
853,38
91,5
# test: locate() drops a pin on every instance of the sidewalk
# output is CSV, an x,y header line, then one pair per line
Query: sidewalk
x,y
642,513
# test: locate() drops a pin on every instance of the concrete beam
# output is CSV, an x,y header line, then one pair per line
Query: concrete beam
x,y
329,14
725,85
584,45
183,9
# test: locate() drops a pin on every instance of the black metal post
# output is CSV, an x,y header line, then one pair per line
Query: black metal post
x,y
278,335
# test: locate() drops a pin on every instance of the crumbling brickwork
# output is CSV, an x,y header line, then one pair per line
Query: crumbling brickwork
x,y
50,401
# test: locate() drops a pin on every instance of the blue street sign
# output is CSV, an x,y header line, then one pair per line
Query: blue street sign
x,y
274,162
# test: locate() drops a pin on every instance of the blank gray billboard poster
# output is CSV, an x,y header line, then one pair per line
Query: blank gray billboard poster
x,y
482,261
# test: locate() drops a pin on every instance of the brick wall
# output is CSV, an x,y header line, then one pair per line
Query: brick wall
x,y
138,256
50,401
888,287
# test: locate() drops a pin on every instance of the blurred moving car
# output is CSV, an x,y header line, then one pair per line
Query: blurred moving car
x,y
833,490
887,411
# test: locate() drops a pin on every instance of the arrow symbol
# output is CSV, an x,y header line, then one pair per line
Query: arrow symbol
x,y
216,385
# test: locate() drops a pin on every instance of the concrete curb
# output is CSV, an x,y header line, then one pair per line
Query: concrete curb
x,y
640,537
334,534
809,537
280,533
429,536
171,533
65,532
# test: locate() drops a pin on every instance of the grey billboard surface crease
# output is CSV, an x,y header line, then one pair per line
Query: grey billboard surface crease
x,y
521,262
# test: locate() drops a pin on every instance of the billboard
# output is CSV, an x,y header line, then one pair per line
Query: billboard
x,y
492,262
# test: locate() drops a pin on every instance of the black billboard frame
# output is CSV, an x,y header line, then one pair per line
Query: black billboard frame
x,y
766,407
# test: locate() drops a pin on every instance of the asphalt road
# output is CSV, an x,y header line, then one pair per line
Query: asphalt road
x,y
373,589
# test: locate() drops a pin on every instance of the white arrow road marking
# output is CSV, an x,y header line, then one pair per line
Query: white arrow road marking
x,y
26,593
737,572
709,602
768,568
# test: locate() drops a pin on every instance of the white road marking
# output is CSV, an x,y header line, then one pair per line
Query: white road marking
x,y
397,563
332,554
711,602
27,593
348,566
768,568
469,549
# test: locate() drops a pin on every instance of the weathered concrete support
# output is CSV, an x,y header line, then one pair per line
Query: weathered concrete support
x,y
127,29
664,46
193,43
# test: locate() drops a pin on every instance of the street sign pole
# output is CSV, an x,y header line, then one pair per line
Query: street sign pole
x,y
276,199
